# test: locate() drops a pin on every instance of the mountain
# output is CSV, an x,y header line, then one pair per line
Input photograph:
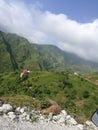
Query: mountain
x,y
75,93
17,53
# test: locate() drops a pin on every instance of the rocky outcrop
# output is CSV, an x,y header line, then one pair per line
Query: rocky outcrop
x,y
23,119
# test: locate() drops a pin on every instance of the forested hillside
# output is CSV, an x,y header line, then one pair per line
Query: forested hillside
x,y
17,53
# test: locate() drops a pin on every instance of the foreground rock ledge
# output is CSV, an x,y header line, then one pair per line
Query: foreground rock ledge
x,y
24,119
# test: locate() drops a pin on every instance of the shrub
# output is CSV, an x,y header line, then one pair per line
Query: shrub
x,y
86,94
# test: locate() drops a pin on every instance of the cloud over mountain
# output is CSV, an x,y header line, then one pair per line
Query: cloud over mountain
x,y
48,28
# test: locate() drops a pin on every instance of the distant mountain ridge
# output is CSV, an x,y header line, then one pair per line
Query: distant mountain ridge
x,y
17,53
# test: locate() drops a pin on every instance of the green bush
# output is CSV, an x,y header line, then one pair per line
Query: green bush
x,y
86,94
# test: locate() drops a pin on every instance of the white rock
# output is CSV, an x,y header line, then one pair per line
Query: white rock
x,y
18,109
22,110
61,121
41,117
11,115
80,126
23,116
91,125
1,109
64,113
56,118
72,121
28,118
6,108
68,117
62,117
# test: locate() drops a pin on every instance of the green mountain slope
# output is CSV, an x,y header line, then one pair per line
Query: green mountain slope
x,y
17,53
73,93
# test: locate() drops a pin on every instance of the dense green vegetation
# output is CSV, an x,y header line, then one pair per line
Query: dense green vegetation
x,y
17,53
73,93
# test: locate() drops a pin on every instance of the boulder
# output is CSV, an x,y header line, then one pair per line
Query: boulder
x,y
5,108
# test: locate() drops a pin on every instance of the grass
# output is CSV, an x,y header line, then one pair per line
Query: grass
x,y
73,93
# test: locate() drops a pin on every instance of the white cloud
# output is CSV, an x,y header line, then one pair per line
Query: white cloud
x,y
48,28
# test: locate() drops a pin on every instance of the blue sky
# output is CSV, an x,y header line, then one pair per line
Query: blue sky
x,y
71,25
80,10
